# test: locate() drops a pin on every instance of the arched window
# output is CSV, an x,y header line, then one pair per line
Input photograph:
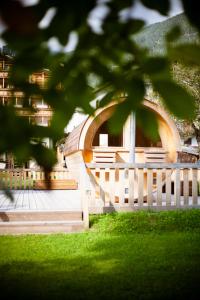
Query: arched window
x,y
117,140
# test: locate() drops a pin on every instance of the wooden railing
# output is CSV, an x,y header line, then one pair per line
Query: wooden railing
x,y
135,186
25,178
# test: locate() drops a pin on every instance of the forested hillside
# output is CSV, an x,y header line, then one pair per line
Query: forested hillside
x,y
153,36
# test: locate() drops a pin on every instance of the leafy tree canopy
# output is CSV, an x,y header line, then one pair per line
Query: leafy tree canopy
x,y
110,57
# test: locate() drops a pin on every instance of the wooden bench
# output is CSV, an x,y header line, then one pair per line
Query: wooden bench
x,y
104,156
56,184
155,156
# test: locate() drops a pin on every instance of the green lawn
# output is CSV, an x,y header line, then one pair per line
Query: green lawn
x,y
123,256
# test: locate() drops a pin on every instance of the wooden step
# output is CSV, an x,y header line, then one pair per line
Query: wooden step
x,y
14,216
35,227
56,184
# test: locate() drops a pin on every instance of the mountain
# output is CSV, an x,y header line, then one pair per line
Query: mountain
x,y
153,36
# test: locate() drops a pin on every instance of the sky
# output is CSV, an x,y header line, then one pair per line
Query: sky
x,y
151,16
95,20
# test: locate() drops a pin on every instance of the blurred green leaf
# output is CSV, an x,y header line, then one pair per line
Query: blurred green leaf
x,y
191,8
162,6
8,194
173,34
69,16
147,121
45,157
136,92
21,20
155,65
105,100
119,117
186,53
119,5
176,98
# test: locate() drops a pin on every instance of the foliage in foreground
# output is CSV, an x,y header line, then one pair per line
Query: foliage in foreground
x,y
107,56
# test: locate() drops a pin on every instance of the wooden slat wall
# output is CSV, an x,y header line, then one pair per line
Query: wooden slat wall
x,y
177,187
185,186
159,187
121,186
194,186
140,186
168,187
102,185
149,187
112,186
131,187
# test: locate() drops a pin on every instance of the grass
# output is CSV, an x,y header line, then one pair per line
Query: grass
x,y
147,221
141,255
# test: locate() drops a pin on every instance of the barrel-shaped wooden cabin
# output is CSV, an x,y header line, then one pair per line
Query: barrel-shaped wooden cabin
x,y
92,142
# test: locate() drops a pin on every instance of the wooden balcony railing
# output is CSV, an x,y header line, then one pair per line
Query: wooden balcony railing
x,y
135,186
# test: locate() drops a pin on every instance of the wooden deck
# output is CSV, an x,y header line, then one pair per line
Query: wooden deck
x,y
41,212
32,200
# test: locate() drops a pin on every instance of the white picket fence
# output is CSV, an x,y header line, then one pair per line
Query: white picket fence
x,y
25,178
136,186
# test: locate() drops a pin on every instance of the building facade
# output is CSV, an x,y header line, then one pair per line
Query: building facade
x,y
42,113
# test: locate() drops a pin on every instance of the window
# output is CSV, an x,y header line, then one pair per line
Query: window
x,y
38,103
7,100
19,102
6,85
6,67
111,139
143,141
1,83
42,121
